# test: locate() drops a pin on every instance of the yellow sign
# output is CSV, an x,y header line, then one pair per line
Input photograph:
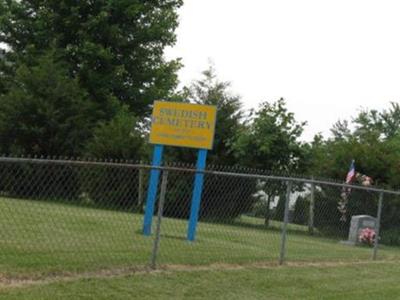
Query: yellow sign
x,y
183,124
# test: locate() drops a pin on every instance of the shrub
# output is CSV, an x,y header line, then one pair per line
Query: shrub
x,y
301,211
390,237
39,180
223,197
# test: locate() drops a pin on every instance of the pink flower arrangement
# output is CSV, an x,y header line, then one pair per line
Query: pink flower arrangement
x,y
367,236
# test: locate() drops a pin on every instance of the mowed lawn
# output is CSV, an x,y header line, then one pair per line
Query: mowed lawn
x,y
353,281
41,239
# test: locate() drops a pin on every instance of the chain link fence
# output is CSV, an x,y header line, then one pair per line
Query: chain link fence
x,y
60,216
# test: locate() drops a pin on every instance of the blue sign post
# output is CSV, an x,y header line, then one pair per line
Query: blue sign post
x,y
184,125
196,197
152,191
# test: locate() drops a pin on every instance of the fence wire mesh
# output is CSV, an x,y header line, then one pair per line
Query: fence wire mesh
x,y
79,216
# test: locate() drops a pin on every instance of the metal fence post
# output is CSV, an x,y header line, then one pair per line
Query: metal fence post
x,y
311,212
140,190
285,222
156,244
378,226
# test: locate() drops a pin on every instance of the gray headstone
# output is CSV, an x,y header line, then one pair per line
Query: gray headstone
x,y
357,224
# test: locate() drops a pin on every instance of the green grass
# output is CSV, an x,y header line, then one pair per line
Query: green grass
x,y
366,281
41,238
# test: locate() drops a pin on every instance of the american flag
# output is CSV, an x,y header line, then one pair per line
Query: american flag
x,y
351,174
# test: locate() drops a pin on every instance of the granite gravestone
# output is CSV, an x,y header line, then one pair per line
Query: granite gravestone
x,y
357,224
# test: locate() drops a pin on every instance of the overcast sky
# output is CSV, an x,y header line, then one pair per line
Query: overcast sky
x,y
326,58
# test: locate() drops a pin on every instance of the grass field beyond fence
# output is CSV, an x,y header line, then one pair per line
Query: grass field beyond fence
x,y
41,238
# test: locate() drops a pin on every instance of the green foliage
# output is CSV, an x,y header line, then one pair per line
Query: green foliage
x,y
118,138
210,91
113,48
373,140
301,211
271,140
374,143
45,111
326,215
179,195
390,236
70,65
223,198
52,182
259,209
280,209
111,187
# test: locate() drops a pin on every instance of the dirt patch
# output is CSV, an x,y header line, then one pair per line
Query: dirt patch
x,y
7,282
268,265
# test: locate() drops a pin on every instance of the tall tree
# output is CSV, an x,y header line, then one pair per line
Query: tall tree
x,y
45,111
373,142
209,90
223,198
118,138
111,51
114,48
271,142
371,138
385,124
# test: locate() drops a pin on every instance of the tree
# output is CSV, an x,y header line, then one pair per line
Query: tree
x,y
210,91
270,141
45,111
119,138
222,198
114,49
373,143
372,138
385,125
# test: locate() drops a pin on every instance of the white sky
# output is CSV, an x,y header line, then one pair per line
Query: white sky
x,y
326,58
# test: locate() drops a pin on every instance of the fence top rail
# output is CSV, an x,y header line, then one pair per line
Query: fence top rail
x,y
193,170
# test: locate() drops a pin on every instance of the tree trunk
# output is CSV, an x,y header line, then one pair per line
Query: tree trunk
x,y
267,212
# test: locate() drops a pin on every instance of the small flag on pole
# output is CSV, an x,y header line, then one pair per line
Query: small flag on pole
x,y
351,174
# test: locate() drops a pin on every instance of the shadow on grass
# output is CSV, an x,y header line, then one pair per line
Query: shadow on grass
x,y
173,236
162,235
292,229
